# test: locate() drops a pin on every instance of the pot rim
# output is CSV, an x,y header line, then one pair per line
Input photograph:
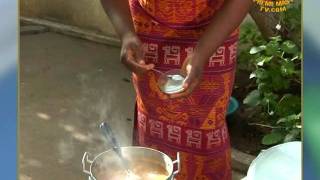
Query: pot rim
x,y
134,147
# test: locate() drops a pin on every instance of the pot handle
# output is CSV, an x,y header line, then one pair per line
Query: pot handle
x,y
85,161
177,161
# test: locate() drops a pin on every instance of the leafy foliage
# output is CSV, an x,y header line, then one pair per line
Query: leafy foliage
x,y
277,88
249,37
275,70
291,20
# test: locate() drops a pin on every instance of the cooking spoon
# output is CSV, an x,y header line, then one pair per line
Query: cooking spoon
x,y
175,77
156,70
108,134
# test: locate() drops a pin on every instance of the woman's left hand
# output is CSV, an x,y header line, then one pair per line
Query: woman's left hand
x,y
192,68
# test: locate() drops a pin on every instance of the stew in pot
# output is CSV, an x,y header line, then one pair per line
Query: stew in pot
x,y
140,171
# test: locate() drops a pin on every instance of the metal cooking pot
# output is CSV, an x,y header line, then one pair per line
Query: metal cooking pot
x,y
145,158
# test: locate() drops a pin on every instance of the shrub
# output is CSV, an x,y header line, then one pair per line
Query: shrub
x,y
275,70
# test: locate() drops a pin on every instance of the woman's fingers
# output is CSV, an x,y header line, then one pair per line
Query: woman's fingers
x,y
138,66
186,92
191,82
132,55
185,64
193,72
139,55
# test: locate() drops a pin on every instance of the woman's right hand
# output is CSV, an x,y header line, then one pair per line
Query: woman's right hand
x,y
132,54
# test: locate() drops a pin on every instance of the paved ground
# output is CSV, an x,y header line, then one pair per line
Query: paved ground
x,y
67,87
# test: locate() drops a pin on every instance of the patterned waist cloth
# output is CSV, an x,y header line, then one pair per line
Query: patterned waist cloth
x,y
195,125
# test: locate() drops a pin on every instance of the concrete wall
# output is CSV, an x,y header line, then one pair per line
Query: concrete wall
x,y
87,14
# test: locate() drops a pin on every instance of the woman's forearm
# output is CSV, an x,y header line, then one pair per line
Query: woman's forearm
x,y
120,16
223,24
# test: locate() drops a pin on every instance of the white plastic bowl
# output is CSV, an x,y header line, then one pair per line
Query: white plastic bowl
x,y
281,162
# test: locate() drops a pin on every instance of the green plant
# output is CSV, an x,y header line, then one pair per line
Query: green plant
x,y
249,37
291,21
276,70
274,94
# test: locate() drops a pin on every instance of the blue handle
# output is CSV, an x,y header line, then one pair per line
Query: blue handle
x,y
107,132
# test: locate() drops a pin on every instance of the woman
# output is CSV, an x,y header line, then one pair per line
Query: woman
x,y
199,36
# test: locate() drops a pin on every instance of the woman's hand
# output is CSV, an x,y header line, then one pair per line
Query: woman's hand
x,y
192,68
131,54
222,25
131,51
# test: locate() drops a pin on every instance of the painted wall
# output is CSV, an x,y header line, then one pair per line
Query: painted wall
x,y
87,14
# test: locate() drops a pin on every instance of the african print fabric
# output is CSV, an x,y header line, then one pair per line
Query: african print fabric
x,y
195,125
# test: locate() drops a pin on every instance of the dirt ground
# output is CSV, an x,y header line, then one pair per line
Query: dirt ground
x,y
67,87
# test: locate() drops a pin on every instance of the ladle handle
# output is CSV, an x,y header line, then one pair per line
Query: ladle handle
x,y
177,162
86,164
156,70
107,132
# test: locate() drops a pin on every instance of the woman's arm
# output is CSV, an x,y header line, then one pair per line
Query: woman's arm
x,y
131,51
119,14
227,19
224,23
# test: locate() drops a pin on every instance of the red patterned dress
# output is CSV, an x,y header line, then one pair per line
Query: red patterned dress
x,y
195,125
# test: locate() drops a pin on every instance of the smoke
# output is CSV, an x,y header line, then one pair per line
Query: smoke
x,y
99,102
94,102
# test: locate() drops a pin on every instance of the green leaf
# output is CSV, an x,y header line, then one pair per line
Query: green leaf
x,y
253,98
297,56
261,73
272,138
287,68
277,81
255,50
270,98
289,47
289,118
292,135
252,75
263,59
289,104
262,87
272,47
276,38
